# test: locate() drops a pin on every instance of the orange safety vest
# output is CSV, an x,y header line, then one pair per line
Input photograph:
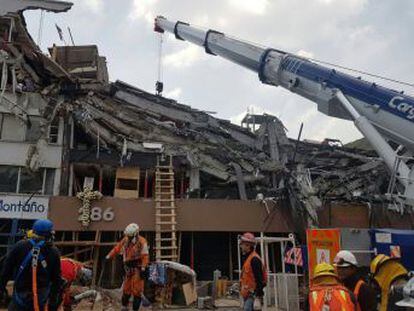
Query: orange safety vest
x,y
356,292
331,297
247,280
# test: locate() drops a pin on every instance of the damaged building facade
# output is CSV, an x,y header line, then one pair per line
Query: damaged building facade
x,y
99,155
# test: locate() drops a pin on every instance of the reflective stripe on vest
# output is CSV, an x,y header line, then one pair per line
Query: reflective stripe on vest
x,y
337,298
356,292
247,280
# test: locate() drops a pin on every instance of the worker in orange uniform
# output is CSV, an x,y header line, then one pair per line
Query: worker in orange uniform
x,y
134,249
347,268
327,293
253,275
73,271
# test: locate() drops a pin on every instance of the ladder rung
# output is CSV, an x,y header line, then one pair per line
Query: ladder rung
x,y
164,200
164,173
164,166
165,240
165,230
166,248
166,215
165,222
165,207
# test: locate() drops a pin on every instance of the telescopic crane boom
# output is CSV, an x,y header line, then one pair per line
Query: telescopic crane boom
x,y
381,114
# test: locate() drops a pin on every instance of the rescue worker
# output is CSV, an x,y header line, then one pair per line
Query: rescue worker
x,y
347,268
72,271
388,273
34,264
327,293
253,275
135,252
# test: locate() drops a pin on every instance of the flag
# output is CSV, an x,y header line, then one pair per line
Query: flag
x,y
60,32
293,256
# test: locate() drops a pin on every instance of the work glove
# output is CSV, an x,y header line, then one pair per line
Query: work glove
x,y
107,257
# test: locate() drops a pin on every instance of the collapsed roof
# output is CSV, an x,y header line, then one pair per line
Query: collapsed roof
x,y
122,117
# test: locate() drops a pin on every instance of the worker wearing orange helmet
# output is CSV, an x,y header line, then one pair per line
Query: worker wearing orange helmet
x,y
327,293
253,275
135,252
388,274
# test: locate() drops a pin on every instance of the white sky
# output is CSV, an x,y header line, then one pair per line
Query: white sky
x,y
374,36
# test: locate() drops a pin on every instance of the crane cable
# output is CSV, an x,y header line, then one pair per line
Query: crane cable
x,y
159,85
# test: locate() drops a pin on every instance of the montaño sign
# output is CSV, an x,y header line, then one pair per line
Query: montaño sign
x,y
23,207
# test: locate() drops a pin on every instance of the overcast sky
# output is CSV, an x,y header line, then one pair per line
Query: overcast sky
x,y
370,35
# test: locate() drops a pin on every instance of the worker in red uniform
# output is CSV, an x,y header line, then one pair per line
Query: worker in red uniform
x,y
134,249
253,275
72,271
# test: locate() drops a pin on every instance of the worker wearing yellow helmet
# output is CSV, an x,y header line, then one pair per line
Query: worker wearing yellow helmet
x,y
327,293
387,274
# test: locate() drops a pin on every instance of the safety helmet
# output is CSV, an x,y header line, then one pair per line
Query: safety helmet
x,y
377,262
131,230
324,269
85,276
345,259
248,237
43,227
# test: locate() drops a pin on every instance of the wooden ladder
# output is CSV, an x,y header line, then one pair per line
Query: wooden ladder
x,y
165,211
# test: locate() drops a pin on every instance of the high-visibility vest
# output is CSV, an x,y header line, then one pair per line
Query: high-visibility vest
x,y
247,279
356,292
331,297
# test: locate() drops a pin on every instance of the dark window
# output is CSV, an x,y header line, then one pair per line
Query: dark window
x,y
31,181
34,131
8,178
50,181
127,184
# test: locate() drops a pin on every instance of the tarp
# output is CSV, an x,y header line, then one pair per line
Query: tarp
x,y
395,243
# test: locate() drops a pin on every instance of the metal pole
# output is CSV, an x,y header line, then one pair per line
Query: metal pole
x,y
262,252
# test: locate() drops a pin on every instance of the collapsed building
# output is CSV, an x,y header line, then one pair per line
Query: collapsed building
x,y
94,155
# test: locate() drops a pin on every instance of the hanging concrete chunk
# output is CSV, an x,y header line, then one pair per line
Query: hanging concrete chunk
x,y
16,6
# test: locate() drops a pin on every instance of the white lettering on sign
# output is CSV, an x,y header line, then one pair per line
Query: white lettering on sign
x,y
23,207
97,214
398,103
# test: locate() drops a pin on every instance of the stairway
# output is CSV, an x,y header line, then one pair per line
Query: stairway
x,y
165,211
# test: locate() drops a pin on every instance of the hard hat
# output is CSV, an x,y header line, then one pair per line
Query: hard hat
x,y
377,262
85,276
30,234
345,259
324,269
131,230
248,237
43,227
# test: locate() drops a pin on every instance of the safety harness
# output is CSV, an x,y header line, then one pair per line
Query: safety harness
x,y
35,257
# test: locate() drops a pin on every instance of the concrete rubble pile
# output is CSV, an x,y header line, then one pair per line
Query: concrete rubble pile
x,y
259,163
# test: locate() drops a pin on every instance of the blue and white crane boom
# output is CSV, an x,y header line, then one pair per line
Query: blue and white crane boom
x,y
381,114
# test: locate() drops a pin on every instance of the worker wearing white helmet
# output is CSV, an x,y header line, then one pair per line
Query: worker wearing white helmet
x,y
134,249
347,269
